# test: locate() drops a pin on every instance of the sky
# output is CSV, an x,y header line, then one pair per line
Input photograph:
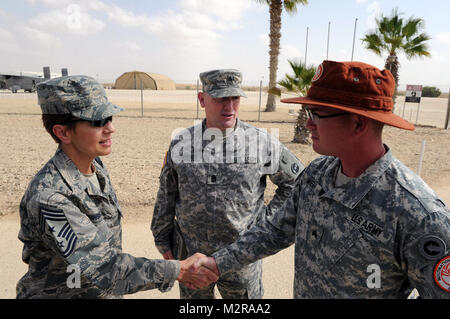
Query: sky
x,y
182,38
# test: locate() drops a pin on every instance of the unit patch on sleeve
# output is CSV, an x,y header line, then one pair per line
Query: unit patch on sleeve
x,y
55,226
432,247
442,273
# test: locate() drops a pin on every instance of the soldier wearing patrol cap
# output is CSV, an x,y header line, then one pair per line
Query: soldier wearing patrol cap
x,y
70,216
364,225
213,181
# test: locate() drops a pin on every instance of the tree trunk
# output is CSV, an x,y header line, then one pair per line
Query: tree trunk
x,y
393,65
301,133
275,9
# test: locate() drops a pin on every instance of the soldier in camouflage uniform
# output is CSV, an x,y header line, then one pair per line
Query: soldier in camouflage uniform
x,y
213,181
70,216
364,225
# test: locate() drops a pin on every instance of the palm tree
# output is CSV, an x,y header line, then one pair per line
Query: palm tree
x,y
299,83
393,34
275,10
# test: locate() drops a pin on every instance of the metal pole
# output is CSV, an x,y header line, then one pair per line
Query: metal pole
x,y
259,107
328,40
354,33
422,150
447,117
197,99
306,47
142,99
417,115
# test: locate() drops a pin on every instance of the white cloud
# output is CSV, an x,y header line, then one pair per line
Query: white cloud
x,y
3,13
128,45
41,38
289,52
230,11
443,37
127,18
436,56
71,19
50,3
197,24
5,35
264,39
7,42
374,9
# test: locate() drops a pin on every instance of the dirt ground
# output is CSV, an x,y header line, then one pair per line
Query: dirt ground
x,y
139,145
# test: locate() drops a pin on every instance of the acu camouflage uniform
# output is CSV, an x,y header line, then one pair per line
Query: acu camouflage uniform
x,y
214,201
66,220
387,217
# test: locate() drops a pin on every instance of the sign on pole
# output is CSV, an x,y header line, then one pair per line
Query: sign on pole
x,y
413,93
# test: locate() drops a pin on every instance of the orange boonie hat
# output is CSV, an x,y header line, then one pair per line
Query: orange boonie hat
x,y
354,87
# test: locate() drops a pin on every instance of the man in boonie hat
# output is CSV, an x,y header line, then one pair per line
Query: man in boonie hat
x,y
214,197
70,215
364,224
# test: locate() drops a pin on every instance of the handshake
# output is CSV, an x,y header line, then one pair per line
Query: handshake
x,y
198,271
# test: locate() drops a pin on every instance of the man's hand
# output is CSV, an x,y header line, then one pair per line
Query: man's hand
x,y
208,262
198,277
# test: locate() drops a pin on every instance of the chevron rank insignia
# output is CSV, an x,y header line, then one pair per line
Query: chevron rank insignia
x,y
56,228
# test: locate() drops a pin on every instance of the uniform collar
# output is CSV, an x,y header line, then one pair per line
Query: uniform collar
x,y
74,178
352,192
237,126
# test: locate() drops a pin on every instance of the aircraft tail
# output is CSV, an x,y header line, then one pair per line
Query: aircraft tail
x,y
47,72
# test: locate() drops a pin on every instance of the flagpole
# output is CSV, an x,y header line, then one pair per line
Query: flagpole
x,y
328,40
354,33
306,47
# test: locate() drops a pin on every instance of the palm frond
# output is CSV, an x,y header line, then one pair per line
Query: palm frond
x,y
291,5
264,2
373,43
300,81
411,27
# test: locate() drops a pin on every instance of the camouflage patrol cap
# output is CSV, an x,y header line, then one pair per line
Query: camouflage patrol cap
x,y
222,83
79,95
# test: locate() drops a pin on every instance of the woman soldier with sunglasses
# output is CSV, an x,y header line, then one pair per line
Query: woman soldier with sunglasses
x,y
70,215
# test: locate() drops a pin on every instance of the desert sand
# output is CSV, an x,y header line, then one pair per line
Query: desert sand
x,y
139,144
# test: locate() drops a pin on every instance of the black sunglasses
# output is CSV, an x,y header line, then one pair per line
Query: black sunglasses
x,y
316,117
98,123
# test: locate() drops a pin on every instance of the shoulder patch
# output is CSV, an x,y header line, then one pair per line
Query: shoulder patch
x,y
318,73
56,227
289,164
432,247
442,273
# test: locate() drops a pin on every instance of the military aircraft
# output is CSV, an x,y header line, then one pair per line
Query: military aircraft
x,y
25,80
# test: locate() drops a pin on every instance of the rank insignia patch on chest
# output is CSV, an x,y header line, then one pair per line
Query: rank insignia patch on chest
x,y
57,229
